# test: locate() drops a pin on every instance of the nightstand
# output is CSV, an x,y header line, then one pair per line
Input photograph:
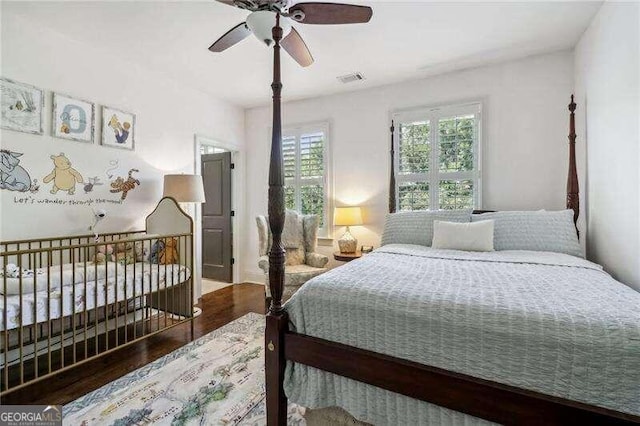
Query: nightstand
x,y
347,257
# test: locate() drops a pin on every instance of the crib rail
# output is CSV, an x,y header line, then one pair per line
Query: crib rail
x,y
44,243
61,307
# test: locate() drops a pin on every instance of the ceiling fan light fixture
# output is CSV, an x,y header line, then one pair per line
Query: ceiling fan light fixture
x,y
262,22
297,15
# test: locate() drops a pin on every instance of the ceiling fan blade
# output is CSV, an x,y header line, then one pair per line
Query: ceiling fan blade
x,y
297,48
233,36
330,13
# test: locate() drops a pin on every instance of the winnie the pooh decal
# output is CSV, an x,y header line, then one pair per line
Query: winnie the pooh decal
x,y
64,176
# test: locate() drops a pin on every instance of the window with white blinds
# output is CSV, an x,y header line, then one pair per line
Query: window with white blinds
x,y
305,171
438,158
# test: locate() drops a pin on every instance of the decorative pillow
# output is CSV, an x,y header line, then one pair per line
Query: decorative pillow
x,y
416,227
294,256
476,236
292,233
310,222
537,230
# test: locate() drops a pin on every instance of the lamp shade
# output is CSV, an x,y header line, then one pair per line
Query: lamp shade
x,y
348,216
184,188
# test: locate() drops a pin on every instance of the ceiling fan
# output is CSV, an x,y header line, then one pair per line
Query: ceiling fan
x,y
270,21
262,19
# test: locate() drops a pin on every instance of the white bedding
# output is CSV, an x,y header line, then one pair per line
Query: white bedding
x,y
141,278
543,321
55,276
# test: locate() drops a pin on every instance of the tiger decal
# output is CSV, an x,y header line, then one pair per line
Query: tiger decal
x,y
124,186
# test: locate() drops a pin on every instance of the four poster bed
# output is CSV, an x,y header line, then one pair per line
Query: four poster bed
x,y
412,335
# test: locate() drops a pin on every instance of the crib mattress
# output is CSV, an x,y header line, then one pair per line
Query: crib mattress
x,y
57,276
74,296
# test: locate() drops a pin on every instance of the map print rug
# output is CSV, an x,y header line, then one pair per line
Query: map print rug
x,y
217,379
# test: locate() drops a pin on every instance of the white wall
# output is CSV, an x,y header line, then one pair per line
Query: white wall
x,y
607,88
168,115
525,129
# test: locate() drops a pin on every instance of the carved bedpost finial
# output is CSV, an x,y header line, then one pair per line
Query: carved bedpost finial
x,y
572,105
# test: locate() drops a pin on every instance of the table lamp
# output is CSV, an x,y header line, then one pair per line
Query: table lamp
x,y
348,216
184,188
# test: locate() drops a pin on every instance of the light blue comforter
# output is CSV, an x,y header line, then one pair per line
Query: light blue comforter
x,y
543,321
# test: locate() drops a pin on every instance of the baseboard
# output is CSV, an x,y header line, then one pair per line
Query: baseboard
x,y
254,277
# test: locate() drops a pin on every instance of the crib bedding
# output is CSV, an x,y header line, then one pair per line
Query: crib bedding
x,y
542,321
58,275
141,278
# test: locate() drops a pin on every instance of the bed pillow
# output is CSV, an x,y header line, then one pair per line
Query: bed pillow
x,y
472,236
536,230
416,227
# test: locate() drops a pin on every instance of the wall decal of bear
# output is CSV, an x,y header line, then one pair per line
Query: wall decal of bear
x,y
64,176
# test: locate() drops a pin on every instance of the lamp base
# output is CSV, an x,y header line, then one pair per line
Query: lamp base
x,y
348,243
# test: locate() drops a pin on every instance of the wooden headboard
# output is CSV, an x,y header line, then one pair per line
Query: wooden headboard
x,y
573,199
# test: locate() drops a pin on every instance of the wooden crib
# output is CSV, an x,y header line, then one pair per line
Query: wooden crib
x,y
61,308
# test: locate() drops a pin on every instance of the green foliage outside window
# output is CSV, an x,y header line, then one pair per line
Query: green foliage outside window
x,y
415,147
290,197
413,195
310,171
456,194
312,159
312,200
456,136
456,144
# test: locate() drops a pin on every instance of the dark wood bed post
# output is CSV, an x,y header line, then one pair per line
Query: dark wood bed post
x,y
276,321
573,199
392,175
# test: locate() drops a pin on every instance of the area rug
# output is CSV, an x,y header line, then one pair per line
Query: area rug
x,y
217,379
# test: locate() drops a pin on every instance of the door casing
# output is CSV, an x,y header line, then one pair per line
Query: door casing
x,y
237,204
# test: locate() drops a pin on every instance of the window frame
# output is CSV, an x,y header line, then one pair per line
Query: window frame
x,y
297,130
434,175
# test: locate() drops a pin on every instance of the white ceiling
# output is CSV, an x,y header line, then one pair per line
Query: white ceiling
x,y
403,41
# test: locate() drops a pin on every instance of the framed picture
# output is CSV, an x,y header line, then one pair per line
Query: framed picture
x,y
21,107
73,118
118,128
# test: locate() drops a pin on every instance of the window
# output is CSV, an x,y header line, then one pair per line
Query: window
x,y
437,158
306,172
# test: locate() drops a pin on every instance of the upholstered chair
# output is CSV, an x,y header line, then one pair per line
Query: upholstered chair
x,y
300,240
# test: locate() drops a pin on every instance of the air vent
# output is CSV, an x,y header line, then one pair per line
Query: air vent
x,y
350,78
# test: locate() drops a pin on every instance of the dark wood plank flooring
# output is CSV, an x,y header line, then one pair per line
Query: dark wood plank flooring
x,y
218,309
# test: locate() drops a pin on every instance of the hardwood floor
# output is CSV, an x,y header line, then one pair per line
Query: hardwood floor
x,y
218,309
